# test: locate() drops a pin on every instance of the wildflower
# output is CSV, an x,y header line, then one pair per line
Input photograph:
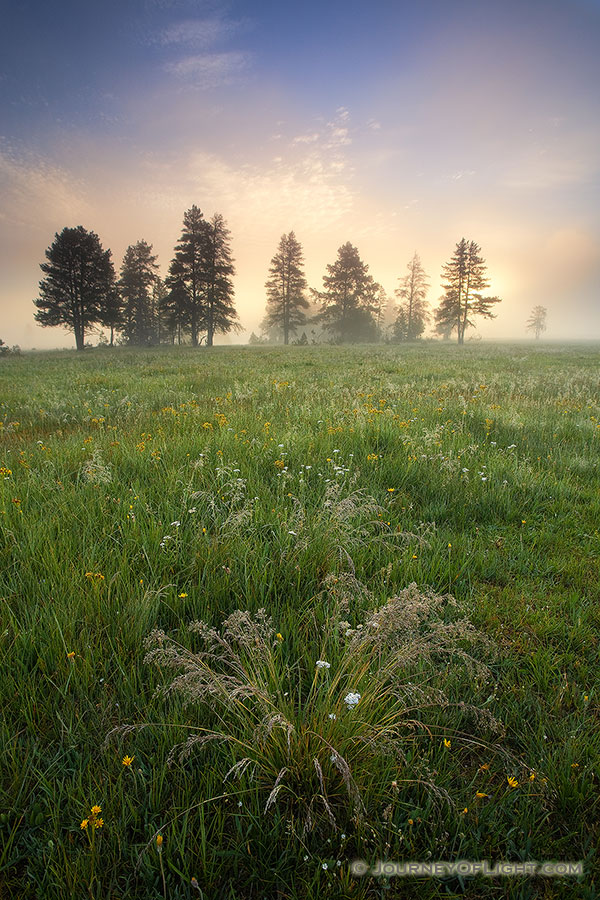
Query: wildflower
x,y
447,743
279,636
332,716
96,810
532,776
324,866
480,795
465,810
391,490
512,782
159,842
194,883
98,823
351,699
411,822
85,824
322,664
182,595
484,767
127,760
71,654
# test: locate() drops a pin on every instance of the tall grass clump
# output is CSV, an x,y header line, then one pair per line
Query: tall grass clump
x,y
324,738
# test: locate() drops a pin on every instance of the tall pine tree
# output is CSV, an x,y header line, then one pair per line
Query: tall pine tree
x,y
188,269
349,298
286,287
219,315
465,279
413,310
138,276
79,283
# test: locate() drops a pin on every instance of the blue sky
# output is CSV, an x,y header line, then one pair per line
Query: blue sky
x,y
397,126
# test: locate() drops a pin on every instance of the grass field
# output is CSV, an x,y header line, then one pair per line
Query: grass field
x,y
419,526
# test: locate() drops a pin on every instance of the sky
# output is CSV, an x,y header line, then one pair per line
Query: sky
x,y
398,126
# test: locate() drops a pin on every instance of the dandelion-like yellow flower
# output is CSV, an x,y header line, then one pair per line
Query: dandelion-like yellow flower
x,y
512,781
127,760
159,842
480,795
71,654
183,594
98,823
96,810
532,776
391,490
279,636
447,743
85,824
465,810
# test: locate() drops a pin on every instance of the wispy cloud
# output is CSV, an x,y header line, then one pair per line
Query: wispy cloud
x,y
199,33
209,70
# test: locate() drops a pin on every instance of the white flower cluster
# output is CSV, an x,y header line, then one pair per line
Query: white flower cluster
x,y
351,700
322,664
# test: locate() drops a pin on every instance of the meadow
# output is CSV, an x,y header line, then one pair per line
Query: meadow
x,y
388,557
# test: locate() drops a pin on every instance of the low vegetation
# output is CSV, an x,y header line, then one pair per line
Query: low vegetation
x,y
266,611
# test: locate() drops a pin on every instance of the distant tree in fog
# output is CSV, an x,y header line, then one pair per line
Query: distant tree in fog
x,y
286,289
537,320
79,281
413,310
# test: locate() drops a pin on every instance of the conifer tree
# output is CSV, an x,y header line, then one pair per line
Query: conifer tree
x,y
79,283
464,282
286,287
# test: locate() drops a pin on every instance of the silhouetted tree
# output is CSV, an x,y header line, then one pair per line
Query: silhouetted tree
x,y
219,315
537,320
174,308
188,270
286,286
465,280
138,275
413,311
79,282
349,298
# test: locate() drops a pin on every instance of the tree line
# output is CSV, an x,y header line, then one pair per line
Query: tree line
x,y
80,290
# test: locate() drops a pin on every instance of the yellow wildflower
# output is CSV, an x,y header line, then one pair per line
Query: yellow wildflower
x,y
127,760
480,795
447,743
279,636
96,810
98,823
183,594
512,781
71,654
85,824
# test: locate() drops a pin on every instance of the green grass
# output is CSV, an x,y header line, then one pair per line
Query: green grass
x,y
468,471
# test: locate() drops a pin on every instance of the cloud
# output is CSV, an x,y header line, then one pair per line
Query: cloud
x,y
209,70
198,33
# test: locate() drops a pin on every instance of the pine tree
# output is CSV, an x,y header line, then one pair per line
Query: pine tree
x,y
286,287
537,321
413,311
349,298
219,315
138,275
188,269
79,283
464,281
